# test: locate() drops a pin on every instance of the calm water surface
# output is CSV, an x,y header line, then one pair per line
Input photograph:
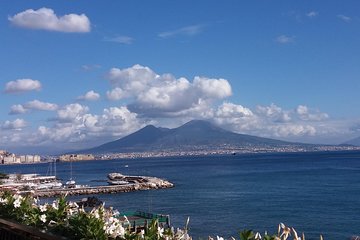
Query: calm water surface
x,y
317,193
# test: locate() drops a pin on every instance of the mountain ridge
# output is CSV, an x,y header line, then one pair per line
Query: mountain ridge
x,y
193,135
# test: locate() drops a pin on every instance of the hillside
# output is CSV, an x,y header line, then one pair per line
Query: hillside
x,y
353,142
194,135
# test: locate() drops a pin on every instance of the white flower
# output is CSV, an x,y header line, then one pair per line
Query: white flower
x,y
73,205
160,231
141,233
55,205
3,200
219,238
43,208
43,218
257,236
17,203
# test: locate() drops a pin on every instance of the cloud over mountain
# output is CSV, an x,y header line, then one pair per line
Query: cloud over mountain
x,y
46,19
154,94
140,96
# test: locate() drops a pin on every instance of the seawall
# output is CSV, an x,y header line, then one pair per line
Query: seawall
x,y
151,183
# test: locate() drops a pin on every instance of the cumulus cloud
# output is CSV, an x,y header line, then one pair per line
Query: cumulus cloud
x,y
17,109
186,31
304,113
46,19
273,112
71,112
90,96
22,85
153,94
283,39
38,105
81,126
32,105
17,124
120,39
231,110
116,94
344,18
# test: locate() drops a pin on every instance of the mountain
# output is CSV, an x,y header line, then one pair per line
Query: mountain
x,y
353,142
194,135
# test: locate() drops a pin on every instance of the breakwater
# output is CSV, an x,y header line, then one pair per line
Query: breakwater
x,y
150,183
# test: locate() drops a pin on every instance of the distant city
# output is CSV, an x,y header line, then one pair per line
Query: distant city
x,y
11,158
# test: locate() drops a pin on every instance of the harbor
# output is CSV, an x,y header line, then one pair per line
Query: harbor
x,y
151,183
42,186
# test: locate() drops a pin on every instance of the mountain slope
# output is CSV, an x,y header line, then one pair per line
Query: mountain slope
x,y
354,142
194,135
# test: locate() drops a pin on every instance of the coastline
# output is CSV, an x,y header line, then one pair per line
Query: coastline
x,y
154,183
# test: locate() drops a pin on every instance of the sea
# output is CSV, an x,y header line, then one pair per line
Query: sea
x,y
316,193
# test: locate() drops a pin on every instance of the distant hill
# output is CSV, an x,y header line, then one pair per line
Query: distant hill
x,y
353,142
194,135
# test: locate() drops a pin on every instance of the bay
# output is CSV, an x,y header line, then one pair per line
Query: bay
x,y
316,193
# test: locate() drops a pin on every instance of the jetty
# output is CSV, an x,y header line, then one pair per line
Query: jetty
x,y
139,183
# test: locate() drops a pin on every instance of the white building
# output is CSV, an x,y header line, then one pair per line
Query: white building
x,y
9,159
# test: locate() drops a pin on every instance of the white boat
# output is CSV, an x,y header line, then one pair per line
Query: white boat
x,y
117,182
70,184
116,176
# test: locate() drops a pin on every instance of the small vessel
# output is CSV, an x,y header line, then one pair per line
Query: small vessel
x,y
117,182
70,184
117,179
116,176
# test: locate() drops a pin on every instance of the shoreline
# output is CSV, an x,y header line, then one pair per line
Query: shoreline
x,y
152,183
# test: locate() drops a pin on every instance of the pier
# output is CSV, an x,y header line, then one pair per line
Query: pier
x,y
148,183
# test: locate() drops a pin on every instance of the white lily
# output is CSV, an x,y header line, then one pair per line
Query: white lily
x,y
43,218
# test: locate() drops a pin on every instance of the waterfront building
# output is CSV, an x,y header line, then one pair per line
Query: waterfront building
x,y
76,157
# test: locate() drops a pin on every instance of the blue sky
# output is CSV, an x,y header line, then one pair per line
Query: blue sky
x,y
77,73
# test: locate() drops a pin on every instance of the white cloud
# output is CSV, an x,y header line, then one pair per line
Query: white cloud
x,y
17,124
231,110
115,94
82,127
90,96
273,112
283,39
22,85
17,109
213,88
38,105
32,105
120,39
71,112
305,113
153,94
287,130
90,67
344,18
187,31
312,14
46,19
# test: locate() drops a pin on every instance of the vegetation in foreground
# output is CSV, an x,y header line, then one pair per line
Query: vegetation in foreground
x,y
67,219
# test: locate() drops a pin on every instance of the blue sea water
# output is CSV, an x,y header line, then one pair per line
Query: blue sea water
x,y
316,193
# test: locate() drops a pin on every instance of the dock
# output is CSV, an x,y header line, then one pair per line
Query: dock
x,y
148,184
